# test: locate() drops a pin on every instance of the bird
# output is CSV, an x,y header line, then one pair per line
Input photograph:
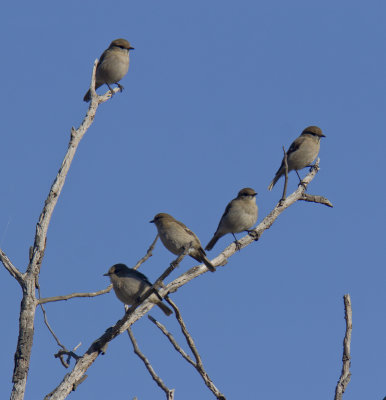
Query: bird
x,y
239,215
112,66
129,285
301,153
176,237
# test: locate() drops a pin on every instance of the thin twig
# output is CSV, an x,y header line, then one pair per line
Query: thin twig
x,y
169,393
345,375
316,199
199,365
173,341
50,329
64,350
73,295
148,254
285,161
11,268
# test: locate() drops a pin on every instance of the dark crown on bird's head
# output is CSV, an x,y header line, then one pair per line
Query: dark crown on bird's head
x,y
117,268
122,43
246,192
313,130
160,216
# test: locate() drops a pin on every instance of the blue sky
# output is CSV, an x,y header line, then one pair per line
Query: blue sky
x,y
214,90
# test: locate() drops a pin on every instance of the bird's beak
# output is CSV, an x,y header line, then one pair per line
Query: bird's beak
x,y
131,48
255,194
152,221
106,274
323,135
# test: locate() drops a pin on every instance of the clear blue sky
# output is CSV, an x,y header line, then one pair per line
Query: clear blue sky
x,y
215,89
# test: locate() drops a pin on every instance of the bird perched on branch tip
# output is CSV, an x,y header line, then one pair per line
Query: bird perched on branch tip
x,y
112,66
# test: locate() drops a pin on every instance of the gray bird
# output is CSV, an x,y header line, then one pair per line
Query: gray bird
x,y
129,285
239,215
112,66
301,153
176,237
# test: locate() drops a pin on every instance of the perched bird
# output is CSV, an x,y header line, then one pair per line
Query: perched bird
x,y
112,66
301,153
176,237
129,285
240,215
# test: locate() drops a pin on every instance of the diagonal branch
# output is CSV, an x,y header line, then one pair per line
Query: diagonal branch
x,y
11,268
345,375
138,311
173,341
198,365
73,295
169,393
148,254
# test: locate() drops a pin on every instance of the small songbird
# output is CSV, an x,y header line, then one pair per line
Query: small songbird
x,y
112,66
129,285
239,215
176,237
301,153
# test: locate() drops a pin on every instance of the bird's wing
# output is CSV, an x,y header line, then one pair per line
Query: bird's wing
x,y
102,57
296,144
187,230
140,276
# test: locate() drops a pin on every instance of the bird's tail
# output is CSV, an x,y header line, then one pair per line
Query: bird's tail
x,y
164,308
274,180
213,241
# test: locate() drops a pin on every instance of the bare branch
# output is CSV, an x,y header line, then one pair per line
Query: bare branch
x,y
252,236
345,375
173,341
148,254
285,161
198,365
30,278
137,311
169,393
11,268
316,199
73,295
50,329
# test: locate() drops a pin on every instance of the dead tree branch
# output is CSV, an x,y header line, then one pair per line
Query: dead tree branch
x,y
11,268
198,364
316,199
148,254
139,309
30,278
173,341
345,375
73,295
285,161
169,393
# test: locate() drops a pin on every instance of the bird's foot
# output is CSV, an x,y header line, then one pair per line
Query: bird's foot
x,y
238,245
253,234
111,90
120,87
301,183
281,201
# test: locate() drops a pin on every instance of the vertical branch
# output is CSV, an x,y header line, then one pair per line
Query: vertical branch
x,y
30,278
285,161
345,375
